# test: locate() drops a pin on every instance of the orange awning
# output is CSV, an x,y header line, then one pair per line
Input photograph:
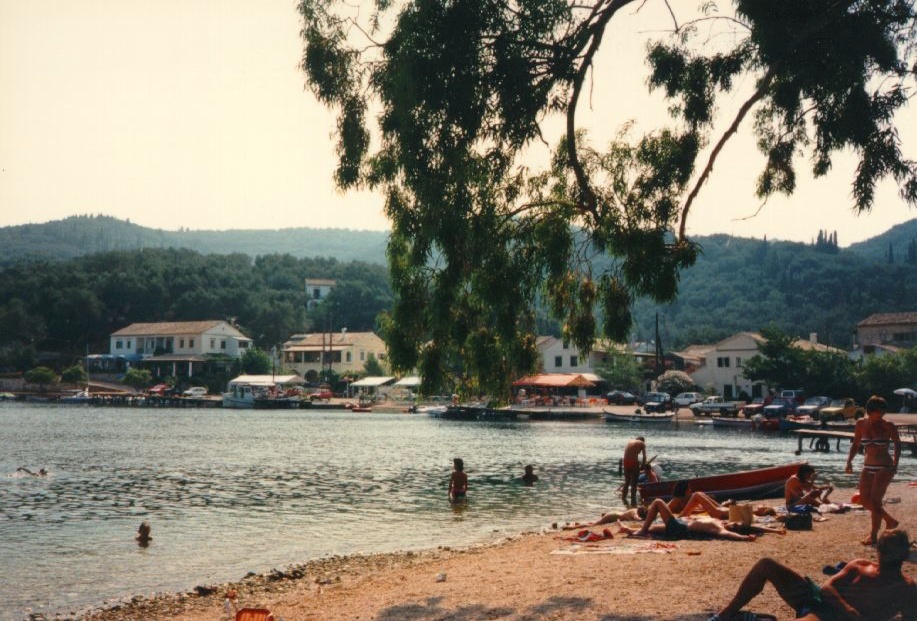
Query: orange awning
x,y
554,380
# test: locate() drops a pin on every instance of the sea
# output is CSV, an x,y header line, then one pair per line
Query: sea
x,y
228,492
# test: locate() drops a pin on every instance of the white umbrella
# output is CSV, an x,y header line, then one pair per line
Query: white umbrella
x,y
905,392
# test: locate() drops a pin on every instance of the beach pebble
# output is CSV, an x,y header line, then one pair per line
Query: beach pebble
x,y
441,577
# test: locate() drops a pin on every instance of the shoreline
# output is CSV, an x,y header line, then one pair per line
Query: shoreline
x,y
533,575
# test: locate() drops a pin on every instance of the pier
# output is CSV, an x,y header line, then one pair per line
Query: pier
x,y
820,440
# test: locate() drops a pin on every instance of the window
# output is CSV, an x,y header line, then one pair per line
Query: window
x,y
128,344
213,343
316,294
722,361
349,357
738,362
558,361
223,344
574,360
181,343
190,343
566,344
362,356
118,344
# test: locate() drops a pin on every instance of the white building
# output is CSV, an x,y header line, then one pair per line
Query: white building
x,y
185,345
559,356
317,289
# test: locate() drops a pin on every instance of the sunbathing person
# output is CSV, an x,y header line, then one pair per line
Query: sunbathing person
x,y
699,501
684,528
630,515
861,590
800,491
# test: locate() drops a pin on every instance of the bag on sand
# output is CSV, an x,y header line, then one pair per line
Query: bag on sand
x,y
741,513
798,521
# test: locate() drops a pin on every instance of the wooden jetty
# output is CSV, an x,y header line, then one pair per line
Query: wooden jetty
x,y
820,440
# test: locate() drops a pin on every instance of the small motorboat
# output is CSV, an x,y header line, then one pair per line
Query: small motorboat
x,y
80,397
733,422
639,417
798,421
744,485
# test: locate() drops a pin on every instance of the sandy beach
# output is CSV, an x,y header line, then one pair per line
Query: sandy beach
x,y
534,576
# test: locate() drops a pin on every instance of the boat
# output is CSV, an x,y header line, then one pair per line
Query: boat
x,y
263,392
732,422
7,396
80,397
361,408
744,485
434,411
639,417
803,421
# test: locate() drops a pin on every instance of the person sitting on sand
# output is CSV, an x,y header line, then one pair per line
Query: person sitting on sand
x,y
862,589
458,482
41,472
800,492
529,478
143,534
683,528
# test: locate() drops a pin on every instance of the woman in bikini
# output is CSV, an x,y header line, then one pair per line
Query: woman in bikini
x,y
875,434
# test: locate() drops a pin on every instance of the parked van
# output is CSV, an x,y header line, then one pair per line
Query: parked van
x,y
684,399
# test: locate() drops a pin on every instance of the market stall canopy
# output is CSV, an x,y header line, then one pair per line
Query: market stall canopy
x,y
370,382
554,380
408,382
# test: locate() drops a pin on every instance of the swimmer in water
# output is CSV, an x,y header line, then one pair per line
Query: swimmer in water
x,y
41,472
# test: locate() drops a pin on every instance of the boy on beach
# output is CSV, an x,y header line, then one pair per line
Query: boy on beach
x,y
458,482
861,590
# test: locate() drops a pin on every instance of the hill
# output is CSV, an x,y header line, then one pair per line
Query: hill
x,y
81,235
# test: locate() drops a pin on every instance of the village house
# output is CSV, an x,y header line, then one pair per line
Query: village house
x,y
178,347
317,289
344,353
884,333
559,356
720,367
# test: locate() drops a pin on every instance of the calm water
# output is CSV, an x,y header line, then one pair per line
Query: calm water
x,y
228,492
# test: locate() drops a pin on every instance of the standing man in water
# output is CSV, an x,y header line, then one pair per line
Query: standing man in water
x,y
634,461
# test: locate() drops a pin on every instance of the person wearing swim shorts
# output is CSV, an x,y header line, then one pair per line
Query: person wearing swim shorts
x,y
673,527
458,482
875,434
862,589
634,460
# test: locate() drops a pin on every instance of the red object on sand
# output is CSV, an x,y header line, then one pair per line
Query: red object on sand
x,y
744,485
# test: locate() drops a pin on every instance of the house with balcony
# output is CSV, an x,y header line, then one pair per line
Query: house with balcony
x,y
178,348
344,353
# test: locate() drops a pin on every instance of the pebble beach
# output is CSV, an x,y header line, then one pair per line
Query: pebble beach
x,y
537,575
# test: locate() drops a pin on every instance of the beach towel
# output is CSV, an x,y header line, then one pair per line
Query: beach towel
x,y
624,547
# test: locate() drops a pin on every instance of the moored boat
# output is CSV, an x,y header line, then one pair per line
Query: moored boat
x,y
263,392
733,423
744,485
639,417
804,421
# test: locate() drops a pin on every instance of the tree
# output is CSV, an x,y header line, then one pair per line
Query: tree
x,y
463,89
256,362
75,374
138,378
373,368
674,382
41,376
779,364
621,371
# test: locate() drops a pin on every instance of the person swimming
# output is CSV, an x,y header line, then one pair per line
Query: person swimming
x,y
41,472
144,536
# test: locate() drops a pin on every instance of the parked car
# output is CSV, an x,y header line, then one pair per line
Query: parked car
x,y
842,409
322,394
716,406
755,407
195,392
813,406
658,402
684,399
799,396
779,408
621,397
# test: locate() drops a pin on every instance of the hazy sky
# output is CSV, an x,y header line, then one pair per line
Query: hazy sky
x,y
194,114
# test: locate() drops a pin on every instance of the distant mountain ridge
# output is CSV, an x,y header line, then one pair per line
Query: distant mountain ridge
x,y
87,234
81,235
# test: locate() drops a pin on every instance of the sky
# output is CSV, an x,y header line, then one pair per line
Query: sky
x,y
194,114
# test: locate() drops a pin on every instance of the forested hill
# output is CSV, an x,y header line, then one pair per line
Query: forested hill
x,y
82,235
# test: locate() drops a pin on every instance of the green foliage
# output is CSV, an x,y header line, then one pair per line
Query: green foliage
x,y
881,375
674,382
75,374
41,376
463,88
621,371
779,364
373,368
256,362
138,378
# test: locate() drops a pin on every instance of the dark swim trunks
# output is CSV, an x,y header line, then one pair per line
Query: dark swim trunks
x,y
814,604
676,529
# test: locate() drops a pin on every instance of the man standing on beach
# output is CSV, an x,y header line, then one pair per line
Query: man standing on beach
x,y
633,462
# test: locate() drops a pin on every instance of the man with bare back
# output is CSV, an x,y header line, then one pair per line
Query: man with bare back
x,y
634,460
